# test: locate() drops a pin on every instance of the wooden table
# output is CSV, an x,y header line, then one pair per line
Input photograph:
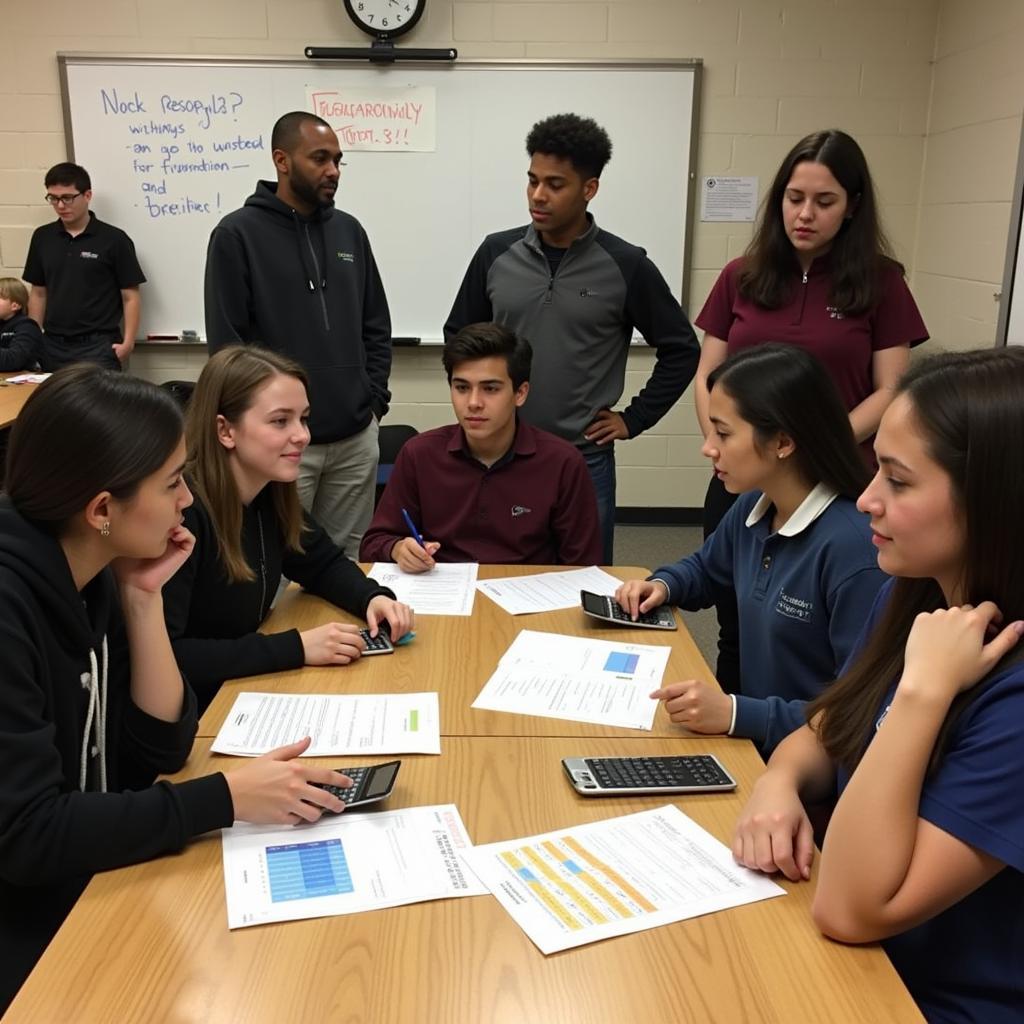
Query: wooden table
x,y
150,942
12,398
455,656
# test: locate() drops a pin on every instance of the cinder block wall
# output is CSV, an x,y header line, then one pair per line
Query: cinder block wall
x,y
942,145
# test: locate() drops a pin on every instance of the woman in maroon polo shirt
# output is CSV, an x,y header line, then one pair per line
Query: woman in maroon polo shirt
x,y
818,273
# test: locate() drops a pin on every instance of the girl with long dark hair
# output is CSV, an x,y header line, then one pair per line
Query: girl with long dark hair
x,y
922,731
794,547
818,274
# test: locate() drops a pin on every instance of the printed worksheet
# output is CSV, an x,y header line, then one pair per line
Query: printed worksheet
x,y
345,864
448,589
348,723
547,591
578,679
589,882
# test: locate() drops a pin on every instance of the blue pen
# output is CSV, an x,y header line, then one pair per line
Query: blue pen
x,y
412,529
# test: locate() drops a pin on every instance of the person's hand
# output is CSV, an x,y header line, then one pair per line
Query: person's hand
x,y
773,832
638,596
699,706
337,643
123,349
946,650
607,426
398,616
410,557
150,574
275,789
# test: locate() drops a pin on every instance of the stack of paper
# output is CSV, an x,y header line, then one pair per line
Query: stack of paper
x,y
345,864
350,723
626,874
578,679
547,591
446,590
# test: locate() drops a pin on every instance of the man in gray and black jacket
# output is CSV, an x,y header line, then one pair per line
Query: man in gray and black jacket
x,y
576,293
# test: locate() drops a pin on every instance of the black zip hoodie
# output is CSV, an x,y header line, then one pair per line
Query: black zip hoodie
x,y
21,343
55,832
307,287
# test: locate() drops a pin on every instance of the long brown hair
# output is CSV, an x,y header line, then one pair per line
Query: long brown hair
x,y
859,252
226,387
968,407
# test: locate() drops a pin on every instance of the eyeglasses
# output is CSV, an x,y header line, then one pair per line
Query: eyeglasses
x,y
62,200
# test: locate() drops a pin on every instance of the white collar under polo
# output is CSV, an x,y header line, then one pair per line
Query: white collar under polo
x,y
808,510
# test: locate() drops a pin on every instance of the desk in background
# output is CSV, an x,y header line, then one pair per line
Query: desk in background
x,y
12,398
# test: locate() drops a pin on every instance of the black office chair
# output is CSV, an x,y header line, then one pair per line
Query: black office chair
x,y
181,390
389,442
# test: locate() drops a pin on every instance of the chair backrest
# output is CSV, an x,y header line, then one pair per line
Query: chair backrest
x,y
181,390
389,442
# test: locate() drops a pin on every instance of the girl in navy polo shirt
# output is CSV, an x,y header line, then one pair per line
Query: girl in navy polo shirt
x,y
818,274
922,733
794,547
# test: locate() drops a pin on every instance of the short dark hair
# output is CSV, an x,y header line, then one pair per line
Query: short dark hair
x,y
79,434
580,140
68,174
287,128
484,341
782,388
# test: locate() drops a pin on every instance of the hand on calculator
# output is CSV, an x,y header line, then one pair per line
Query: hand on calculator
x,y
639,596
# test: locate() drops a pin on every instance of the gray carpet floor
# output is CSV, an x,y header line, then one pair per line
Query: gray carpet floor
x,y
651,546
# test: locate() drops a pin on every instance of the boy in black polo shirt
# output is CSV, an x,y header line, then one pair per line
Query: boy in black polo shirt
x,y
85,278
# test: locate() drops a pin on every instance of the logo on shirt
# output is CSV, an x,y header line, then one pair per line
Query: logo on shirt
x,y
794,607
520,510
86,255
835,313
348,257
587,293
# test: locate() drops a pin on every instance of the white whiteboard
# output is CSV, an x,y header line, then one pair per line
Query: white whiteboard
x,y
425,212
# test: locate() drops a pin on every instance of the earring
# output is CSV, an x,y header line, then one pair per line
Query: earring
x,y
105,529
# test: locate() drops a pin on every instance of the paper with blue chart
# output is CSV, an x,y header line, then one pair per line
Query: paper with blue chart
x,y
626,874
345,864
602,682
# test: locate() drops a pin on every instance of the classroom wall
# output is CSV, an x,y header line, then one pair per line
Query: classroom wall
x,y
774,70
969,169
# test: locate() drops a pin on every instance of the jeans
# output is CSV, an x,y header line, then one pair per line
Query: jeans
x,y
60,350
337,483
601,466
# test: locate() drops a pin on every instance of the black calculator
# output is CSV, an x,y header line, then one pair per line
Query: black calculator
x,y
600,606
368,784
379,644
621,776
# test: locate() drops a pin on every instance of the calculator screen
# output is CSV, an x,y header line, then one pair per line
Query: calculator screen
x,y
380,781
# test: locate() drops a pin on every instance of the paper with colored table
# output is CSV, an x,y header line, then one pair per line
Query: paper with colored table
x,y
590,882
576,678
345,864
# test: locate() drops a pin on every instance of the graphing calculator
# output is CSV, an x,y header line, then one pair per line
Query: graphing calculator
x,y
379,644
368,784
599,606
622,776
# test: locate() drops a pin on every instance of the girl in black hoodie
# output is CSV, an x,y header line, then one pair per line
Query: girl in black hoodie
x,y
92,705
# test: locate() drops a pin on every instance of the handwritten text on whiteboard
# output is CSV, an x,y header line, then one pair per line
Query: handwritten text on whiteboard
x,y
379,119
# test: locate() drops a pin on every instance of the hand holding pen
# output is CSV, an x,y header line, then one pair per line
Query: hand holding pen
x,y
414,554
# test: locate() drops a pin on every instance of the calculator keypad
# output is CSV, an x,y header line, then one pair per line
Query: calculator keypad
x,y
619,614
657,772
380,642
355,774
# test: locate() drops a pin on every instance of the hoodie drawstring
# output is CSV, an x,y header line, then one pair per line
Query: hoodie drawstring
x,y
95,720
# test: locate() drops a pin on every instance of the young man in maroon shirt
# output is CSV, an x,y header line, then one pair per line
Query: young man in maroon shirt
x,y
489,488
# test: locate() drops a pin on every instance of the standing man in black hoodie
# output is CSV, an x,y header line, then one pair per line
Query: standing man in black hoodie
x,y
291,272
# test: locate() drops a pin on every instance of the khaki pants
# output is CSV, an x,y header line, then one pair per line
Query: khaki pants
x,y
337,483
